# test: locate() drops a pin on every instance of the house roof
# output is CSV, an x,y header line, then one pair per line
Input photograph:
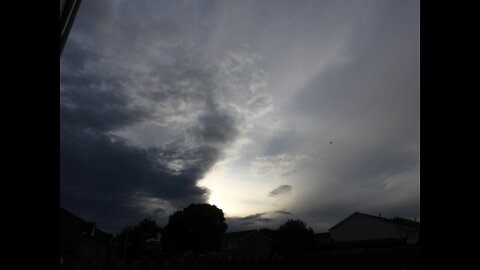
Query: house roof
x,y
75,224
322,236
67,214
406,222
103,236
396,220
69,219
237,236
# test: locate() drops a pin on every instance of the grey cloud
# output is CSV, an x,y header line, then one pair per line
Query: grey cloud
x,y
88,105
280,164
271,220
250,222
107,169
215,128
111,81
283,141
158,64
374,88
281,190
160,211
259,105
283,212
367,102
252,217
289,173
102,174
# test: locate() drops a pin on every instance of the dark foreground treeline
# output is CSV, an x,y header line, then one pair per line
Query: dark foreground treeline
x,y
405,257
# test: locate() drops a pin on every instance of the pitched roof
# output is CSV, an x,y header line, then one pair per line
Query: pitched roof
x,y
67,214
396,220
406,222
237,236
75,224
69,219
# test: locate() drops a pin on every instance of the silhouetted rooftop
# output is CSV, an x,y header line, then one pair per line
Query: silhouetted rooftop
x,y
406,222
322,236
74,224
235,236
396,220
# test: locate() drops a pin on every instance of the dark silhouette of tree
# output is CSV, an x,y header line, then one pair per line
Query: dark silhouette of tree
x,y
197,228
295,231
134,241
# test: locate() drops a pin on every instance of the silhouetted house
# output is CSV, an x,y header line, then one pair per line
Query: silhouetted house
x,y
82,241
323,238
360,226
246,244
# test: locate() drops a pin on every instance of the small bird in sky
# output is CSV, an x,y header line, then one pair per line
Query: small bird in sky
x,y
331,142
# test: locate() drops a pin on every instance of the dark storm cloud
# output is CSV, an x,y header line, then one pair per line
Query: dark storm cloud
x,y
215,128
283,212
107,170
281,190
252,218
103,173
154,92
97,102
251,221
259,220
107,85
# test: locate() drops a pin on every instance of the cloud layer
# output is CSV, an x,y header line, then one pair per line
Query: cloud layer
x,y
109,88
280,190
244,96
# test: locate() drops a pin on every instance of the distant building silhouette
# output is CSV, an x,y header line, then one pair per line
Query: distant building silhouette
x,y
252,244
81,241
322,238
359,226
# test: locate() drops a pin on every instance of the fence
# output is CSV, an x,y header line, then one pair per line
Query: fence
x,y
344,257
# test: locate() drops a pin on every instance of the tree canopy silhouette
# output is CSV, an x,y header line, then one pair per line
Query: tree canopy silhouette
x,y
197,228
295,231
136,238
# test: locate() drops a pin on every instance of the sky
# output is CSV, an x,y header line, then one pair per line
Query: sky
x,y
270,110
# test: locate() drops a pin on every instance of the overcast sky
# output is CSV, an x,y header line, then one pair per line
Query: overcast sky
x,y
268,109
